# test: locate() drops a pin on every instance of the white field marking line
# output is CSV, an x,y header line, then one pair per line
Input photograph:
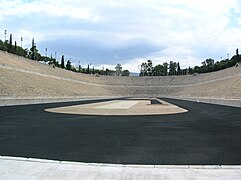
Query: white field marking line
x,y
106,85
118,105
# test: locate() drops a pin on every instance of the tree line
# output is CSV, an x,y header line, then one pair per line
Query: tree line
x,y
34,54
146,68
31,53
165,69
173,68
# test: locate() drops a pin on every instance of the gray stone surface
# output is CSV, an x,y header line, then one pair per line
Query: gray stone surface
x,y
219,101
42,100
23,168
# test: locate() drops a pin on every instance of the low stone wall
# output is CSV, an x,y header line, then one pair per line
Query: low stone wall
x,y
219,101
39,100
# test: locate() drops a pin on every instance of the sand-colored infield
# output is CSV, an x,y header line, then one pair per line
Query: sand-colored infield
x,y
121,107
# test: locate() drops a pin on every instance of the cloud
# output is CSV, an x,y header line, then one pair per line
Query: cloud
x,y
46,7
107,31
90,49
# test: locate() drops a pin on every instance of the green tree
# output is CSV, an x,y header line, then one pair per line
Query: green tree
x,y
236,58
107,72
190,70
165,65
68,65
126,73
143,69
207,65
3,45
10,43
88,69
33,54
204,63
15,47
172,68
32,50
62,62
80,68
178,69
149,67
118,70
158,69
146,68
196,69
209,62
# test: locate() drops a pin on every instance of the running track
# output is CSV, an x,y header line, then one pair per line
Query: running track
x,y
206,135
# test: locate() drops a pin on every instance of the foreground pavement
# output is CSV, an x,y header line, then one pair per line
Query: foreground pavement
x,y
180,143
29,168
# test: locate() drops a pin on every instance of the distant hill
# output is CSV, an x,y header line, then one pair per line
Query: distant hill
x,y
134,74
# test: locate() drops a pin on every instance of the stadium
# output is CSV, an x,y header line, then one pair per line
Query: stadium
x,y
55,121
38,80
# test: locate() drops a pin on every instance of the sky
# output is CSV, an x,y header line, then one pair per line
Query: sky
x,y
106,32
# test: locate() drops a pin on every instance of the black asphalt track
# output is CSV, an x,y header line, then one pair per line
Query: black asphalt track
x,y
206,135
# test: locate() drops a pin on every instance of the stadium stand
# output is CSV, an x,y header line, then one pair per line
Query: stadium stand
x,y
21,77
